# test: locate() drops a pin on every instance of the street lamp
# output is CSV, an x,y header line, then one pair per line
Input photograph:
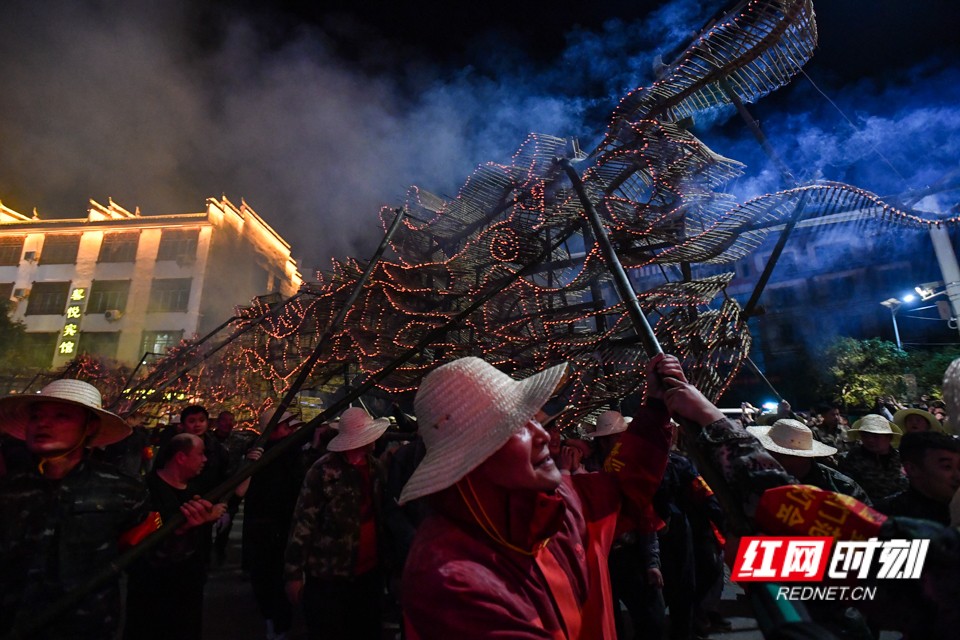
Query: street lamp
x,y
894,305
928,290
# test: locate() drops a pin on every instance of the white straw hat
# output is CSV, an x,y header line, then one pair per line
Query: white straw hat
x,y
466,410
873,423
610,423
791,437
14,410
357,429
287,415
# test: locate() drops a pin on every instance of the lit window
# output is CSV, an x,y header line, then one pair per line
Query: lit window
x,y
169,294
108,294
178,244
60,249
119,247
47,298
10,250
160,341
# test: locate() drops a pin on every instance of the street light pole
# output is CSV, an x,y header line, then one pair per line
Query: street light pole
x,y
894,305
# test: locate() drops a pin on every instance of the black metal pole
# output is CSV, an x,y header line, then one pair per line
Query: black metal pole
x,y
620,280
762,596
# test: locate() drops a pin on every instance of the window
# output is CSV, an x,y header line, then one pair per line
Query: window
x,y
10,250
178,244
6,291
108,294
102,343
47,298
160,341
169,294
119,247
60,249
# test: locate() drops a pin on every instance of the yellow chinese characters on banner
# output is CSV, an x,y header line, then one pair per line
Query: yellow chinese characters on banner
x,y
68,343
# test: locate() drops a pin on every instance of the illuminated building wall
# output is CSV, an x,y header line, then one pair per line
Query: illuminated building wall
x,y
121,284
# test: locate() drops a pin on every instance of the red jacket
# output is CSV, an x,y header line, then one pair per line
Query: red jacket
x,y
459,584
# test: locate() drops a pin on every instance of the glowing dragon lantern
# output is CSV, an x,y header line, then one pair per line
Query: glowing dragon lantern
x,y
658,190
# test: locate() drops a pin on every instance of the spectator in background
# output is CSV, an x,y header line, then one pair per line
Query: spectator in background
x,y
830,428
873,461
270,498
236,448
911,420
791,443
165,588
131,455
224,425
334,556
932,462
610,424
939,411
62,518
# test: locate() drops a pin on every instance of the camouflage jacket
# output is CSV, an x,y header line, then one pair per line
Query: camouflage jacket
x,y
54,536
836,438
830,479
325,532
880,476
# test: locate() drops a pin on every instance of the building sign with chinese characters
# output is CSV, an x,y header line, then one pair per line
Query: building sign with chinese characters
x,y
69,341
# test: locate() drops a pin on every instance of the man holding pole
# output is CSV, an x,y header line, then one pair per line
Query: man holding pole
x,y
514,547
63,519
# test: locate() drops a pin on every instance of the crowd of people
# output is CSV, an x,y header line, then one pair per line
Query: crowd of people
x,y
487,513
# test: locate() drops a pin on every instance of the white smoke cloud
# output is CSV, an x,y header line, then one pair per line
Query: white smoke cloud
x,y
145,103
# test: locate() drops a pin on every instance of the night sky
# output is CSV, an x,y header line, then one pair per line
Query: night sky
x,y
319,113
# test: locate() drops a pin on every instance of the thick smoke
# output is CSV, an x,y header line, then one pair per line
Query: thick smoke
x,y
142,102
134,102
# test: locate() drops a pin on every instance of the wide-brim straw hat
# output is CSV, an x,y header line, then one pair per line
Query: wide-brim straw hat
x,y
466,410
610,423
287,416
874,423
791,437
357,429
15,411
900,419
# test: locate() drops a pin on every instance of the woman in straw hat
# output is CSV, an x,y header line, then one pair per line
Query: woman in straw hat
x,y
333,557
873,461
513,547
60,521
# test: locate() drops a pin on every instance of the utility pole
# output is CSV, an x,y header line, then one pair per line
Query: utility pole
x,y
946,257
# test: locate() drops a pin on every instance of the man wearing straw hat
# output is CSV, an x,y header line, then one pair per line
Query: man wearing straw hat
x,y
873,462
514,548
792,444
333,556
61,521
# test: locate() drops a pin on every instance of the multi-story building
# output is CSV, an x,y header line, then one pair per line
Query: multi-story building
x,y
121,284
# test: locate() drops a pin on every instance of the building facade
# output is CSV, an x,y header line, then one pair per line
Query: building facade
x,y
119,284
